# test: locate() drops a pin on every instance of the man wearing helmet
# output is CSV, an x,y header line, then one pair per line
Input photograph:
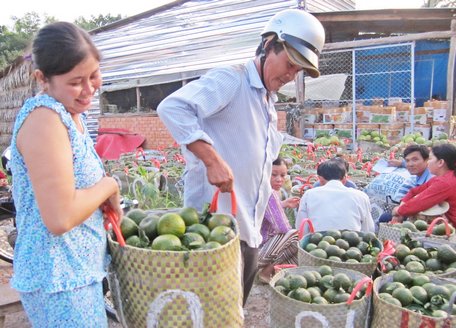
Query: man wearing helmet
x,y
226,124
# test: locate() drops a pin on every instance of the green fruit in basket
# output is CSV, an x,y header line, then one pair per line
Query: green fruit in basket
x,y
420,280
281,290
403,276
319,253
297,281
409,225
369,237
136,214
222,234
200,229
433,264
335,258
389,287
323,244
171,223
439,229
392,300
284,282
402,251
416,267
319,300
439,314
300,294
421,225
310,247
336,234
325,270
330,294
315,238
314,291
341,298
363,247
330,239
133,241
210,245
190,215
341,280
351,237
421,253
354,253
419,294
439,290
192,240
149,225
310,278
217,220
342,243
166,242
403,295
446,254
128,227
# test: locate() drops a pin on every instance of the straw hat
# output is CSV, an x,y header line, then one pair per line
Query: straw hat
x,y
435,210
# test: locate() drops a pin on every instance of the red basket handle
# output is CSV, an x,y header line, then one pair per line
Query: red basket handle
x,y
434,222
357,288
213,206
279,267
302,225
112,218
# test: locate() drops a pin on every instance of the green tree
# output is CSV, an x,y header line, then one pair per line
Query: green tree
x,y
440,3
96,21
13,41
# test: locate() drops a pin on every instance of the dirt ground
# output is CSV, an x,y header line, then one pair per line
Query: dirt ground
x,y
256,311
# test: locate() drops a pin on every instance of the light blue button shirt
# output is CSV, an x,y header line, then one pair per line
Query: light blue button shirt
x,y
228,107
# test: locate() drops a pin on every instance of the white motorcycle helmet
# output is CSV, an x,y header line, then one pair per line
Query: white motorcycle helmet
x,y
303,37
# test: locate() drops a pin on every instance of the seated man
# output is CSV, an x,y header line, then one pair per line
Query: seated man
x,y
348,183
334,206
416,159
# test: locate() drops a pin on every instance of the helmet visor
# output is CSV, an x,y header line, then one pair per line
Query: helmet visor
x,y
296,58
303,53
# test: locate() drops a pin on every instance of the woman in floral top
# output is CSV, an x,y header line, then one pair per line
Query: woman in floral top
x,y
60,188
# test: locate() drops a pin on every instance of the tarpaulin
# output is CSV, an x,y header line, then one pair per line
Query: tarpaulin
x,y
112,142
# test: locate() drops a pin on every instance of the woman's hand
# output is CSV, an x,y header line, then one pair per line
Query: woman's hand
x,y
292,202
113,204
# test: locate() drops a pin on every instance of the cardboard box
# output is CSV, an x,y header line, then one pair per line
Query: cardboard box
x,y
424,129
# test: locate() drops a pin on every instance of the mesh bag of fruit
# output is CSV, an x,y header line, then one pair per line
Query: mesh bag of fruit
x,y
310,296
179,268
347,249
439,228
408,300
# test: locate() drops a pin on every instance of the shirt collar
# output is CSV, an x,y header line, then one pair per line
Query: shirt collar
x,y
423,177
255,79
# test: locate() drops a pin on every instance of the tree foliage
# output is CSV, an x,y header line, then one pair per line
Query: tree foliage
x,y
14,40
440,3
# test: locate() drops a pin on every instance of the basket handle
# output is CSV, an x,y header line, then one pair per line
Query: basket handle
x,y
381,261
359,285
434,222
213,206
112,219
302,225
279,267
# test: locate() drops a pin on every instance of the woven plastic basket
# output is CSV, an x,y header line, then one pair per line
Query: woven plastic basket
x,y
305,258
389,231
287,312
387,315
177,288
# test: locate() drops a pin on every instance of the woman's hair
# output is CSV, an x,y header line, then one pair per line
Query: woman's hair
x,y
279,161
274,45
59,47
447,152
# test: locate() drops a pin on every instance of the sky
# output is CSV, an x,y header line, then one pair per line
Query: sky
x,y
71,10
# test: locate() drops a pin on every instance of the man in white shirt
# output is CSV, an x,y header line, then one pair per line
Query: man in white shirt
x,y
334,206
226,124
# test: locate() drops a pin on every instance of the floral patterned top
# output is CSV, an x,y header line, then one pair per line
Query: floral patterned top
x,y
42,260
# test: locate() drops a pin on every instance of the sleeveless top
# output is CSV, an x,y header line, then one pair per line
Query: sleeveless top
x,y
44,261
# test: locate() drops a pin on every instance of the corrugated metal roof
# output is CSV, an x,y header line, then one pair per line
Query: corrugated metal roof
x,y
185,40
